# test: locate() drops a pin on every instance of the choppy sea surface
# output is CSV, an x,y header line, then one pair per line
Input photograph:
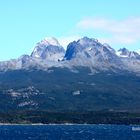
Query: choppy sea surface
x,y
69,132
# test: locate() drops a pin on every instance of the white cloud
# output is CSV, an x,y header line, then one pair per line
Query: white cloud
x,y
125,31
64,41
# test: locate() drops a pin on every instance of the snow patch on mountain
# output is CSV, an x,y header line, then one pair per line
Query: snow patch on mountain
x,y
138,51
49,41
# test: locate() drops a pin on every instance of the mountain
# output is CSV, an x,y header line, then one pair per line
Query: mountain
x,y
87,46
87,77
46,53
130,59
91,53
48,49
85,52
126,53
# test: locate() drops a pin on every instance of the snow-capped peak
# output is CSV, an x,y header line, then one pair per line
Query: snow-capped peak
x,y
49,41
86,40
126,53
123,52
48,49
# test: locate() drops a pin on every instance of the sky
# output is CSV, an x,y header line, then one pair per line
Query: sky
x,y
23,23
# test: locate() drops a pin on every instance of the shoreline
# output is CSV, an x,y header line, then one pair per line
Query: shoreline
x,y
67,124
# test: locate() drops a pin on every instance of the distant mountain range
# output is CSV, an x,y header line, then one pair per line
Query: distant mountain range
x,y
88,76
86,52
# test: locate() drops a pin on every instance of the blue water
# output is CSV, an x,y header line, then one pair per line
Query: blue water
x,y
68,132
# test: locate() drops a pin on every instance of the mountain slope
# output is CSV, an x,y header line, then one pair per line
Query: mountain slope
x,y
60,89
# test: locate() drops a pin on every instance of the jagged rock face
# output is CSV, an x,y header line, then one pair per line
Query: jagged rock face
x,y
92,53
123,52
127,54
134,55
81,45
130,59
48,49
90,48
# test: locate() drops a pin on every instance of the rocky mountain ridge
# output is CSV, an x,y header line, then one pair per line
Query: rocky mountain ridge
x,y
86,52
